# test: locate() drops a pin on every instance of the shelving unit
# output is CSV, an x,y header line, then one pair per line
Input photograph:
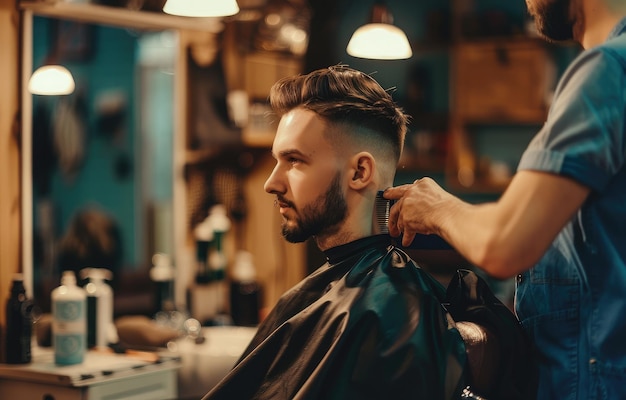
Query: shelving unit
x,y
499,76
495,83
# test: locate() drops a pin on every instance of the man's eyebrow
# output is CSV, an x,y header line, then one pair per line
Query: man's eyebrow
x,y
290,152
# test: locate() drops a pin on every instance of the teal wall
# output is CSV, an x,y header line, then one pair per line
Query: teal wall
x,y
110,66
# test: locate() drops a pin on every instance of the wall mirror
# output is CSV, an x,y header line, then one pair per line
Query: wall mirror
x,y
98,163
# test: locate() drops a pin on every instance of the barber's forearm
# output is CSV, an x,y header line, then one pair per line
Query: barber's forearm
x,y
500,238
425,208
487,239
510,236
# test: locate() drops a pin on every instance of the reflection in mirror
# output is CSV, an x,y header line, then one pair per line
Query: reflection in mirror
x,y
102,158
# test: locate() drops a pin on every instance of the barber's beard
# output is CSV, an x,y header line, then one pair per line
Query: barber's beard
x,y
321,217
553,19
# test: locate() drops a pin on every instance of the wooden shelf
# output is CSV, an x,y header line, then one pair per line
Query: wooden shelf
x,y
201,155
118,16
422,163
256,138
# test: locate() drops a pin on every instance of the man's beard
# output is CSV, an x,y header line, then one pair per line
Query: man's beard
x,y
321,217
553,19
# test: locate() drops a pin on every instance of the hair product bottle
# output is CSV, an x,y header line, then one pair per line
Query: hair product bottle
x,y
19,324
245,292
218,262
69,321
204,236
99,306
162,274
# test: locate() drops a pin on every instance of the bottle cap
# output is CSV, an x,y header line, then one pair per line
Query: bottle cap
x,y
96,274
219,219
163,269
243,270
68,278
204,231
18,284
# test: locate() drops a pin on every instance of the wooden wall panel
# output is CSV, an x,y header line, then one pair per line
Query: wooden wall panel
x,y
9,151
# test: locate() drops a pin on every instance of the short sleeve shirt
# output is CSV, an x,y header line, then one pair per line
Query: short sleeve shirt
x,y
573,302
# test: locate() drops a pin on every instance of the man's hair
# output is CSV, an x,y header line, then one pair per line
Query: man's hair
x,y
342,95
93,239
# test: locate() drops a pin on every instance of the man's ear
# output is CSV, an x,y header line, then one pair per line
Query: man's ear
x,y
362,169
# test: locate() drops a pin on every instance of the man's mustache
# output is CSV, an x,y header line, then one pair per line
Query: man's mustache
x,y
283,202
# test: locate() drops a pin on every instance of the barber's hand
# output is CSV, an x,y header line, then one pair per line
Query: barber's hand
x,y
415,209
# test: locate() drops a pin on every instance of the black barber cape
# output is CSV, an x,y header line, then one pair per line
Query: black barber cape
x,y
368,324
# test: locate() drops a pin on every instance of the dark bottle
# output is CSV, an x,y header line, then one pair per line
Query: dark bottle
x,y
244,303
162,274
245,292
19,324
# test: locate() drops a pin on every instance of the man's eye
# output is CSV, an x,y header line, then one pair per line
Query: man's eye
x,y
293,160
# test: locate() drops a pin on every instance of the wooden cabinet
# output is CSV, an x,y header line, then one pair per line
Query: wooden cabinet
x,y
496,87
495,82
501,79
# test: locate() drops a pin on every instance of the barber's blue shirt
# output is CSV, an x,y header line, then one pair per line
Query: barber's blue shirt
x,y
573,302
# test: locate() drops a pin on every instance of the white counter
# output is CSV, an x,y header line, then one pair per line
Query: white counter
x,y
203,365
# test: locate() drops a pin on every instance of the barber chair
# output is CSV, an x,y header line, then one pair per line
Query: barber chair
x,y
499,361
483,356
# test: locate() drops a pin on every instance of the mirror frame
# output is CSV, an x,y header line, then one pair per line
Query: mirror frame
x,y
97,14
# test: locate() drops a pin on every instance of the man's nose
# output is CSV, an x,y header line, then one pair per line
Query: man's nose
x,y
272,184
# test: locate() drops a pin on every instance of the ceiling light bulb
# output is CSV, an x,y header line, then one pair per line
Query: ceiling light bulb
x,y
379,41
51,80
201,8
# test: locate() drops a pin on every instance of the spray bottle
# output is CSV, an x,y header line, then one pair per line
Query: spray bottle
x,y
69,328
99,307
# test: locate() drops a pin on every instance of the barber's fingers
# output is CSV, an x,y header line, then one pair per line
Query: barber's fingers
x,y
398,194
395,193
404,215
394,213
407,237
400,225
396,216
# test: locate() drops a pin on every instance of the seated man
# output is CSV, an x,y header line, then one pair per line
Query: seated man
x,y
368,323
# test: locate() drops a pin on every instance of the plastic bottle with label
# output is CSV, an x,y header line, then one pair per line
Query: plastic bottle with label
x,y
19,324
69,327
99,306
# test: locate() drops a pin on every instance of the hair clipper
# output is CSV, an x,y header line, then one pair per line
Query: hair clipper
x,y
421,242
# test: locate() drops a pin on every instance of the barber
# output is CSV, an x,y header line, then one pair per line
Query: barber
x,y
560,226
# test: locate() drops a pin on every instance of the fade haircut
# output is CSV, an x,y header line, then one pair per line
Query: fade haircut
x,y
344,96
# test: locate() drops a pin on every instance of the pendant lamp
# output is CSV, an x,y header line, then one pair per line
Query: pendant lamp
x,y
201,8
51,80
380,39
